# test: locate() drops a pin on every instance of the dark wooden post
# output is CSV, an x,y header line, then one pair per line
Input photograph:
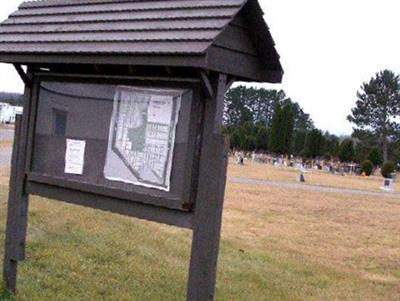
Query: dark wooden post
x,y
13,242
17,212
209,201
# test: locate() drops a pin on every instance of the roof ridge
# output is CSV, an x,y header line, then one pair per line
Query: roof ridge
x,y
61,3
151,9
210,28
157,40
175,18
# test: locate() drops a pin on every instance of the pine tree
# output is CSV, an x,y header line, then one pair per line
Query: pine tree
x,y
262,138
276,142
377,110
375,156
287,119
346,151
299,141
314,144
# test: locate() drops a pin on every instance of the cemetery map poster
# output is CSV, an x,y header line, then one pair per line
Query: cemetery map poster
x,y
142,136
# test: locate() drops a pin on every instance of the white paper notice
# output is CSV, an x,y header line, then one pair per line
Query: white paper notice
x,y
75,156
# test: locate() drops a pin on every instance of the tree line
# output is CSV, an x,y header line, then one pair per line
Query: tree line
x,y
14,99
263,120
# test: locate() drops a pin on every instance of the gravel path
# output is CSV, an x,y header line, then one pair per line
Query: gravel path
x,y
5,152
5,157
6,135
308,187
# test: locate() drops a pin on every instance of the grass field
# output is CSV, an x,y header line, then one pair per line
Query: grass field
x,y
276,245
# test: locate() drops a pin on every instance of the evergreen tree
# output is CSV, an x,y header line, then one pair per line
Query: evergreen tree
x,y
314,144
235,139
377,109
276,141
375,156
248,133
262,138
287,128
346,151
299,141
244,104
248,118
365,143
331,148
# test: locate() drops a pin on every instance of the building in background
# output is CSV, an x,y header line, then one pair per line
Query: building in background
x,y
8,113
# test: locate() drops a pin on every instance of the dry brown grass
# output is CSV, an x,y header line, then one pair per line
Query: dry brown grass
x,y
278,173
6,126
4,176
277,244
6,144
356,235
328,228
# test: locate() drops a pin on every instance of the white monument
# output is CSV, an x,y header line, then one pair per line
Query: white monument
x,y
388,185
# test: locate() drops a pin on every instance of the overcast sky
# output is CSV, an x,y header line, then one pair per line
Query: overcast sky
x,y
327,48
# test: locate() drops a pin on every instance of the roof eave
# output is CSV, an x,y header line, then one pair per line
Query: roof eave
x,y
268,54
175,60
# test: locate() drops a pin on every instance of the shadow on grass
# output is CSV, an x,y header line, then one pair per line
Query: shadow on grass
x,y
5,295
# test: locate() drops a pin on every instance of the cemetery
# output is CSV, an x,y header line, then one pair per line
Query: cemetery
x,y
320,171
288,244
286,172
139,170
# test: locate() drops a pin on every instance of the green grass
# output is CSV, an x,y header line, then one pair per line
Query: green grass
x,y
74,253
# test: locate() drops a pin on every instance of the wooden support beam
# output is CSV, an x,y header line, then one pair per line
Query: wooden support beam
x,y
10,263
209,202
112,204
25,78
220,102
17,215
207,84
122,77
230,83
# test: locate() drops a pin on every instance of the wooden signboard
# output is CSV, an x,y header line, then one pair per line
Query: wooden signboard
x,y
125,146
123,112
123,139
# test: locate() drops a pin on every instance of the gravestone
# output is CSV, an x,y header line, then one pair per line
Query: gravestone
x,y
388,185
301,178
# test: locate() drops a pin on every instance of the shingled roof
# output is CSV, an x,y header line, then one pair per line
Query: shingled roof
x,y
209,34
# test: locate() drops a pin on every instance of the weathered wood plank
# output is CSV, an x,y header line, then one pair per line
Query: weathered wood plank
x,y
241,65
209,203
146,25
57,3
110,204
236,39
140,15
126,6
117,47
116,36
17,215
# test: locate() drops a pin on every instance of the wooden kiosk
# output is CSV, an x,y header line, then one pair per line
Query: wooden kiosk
x,y
123,111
